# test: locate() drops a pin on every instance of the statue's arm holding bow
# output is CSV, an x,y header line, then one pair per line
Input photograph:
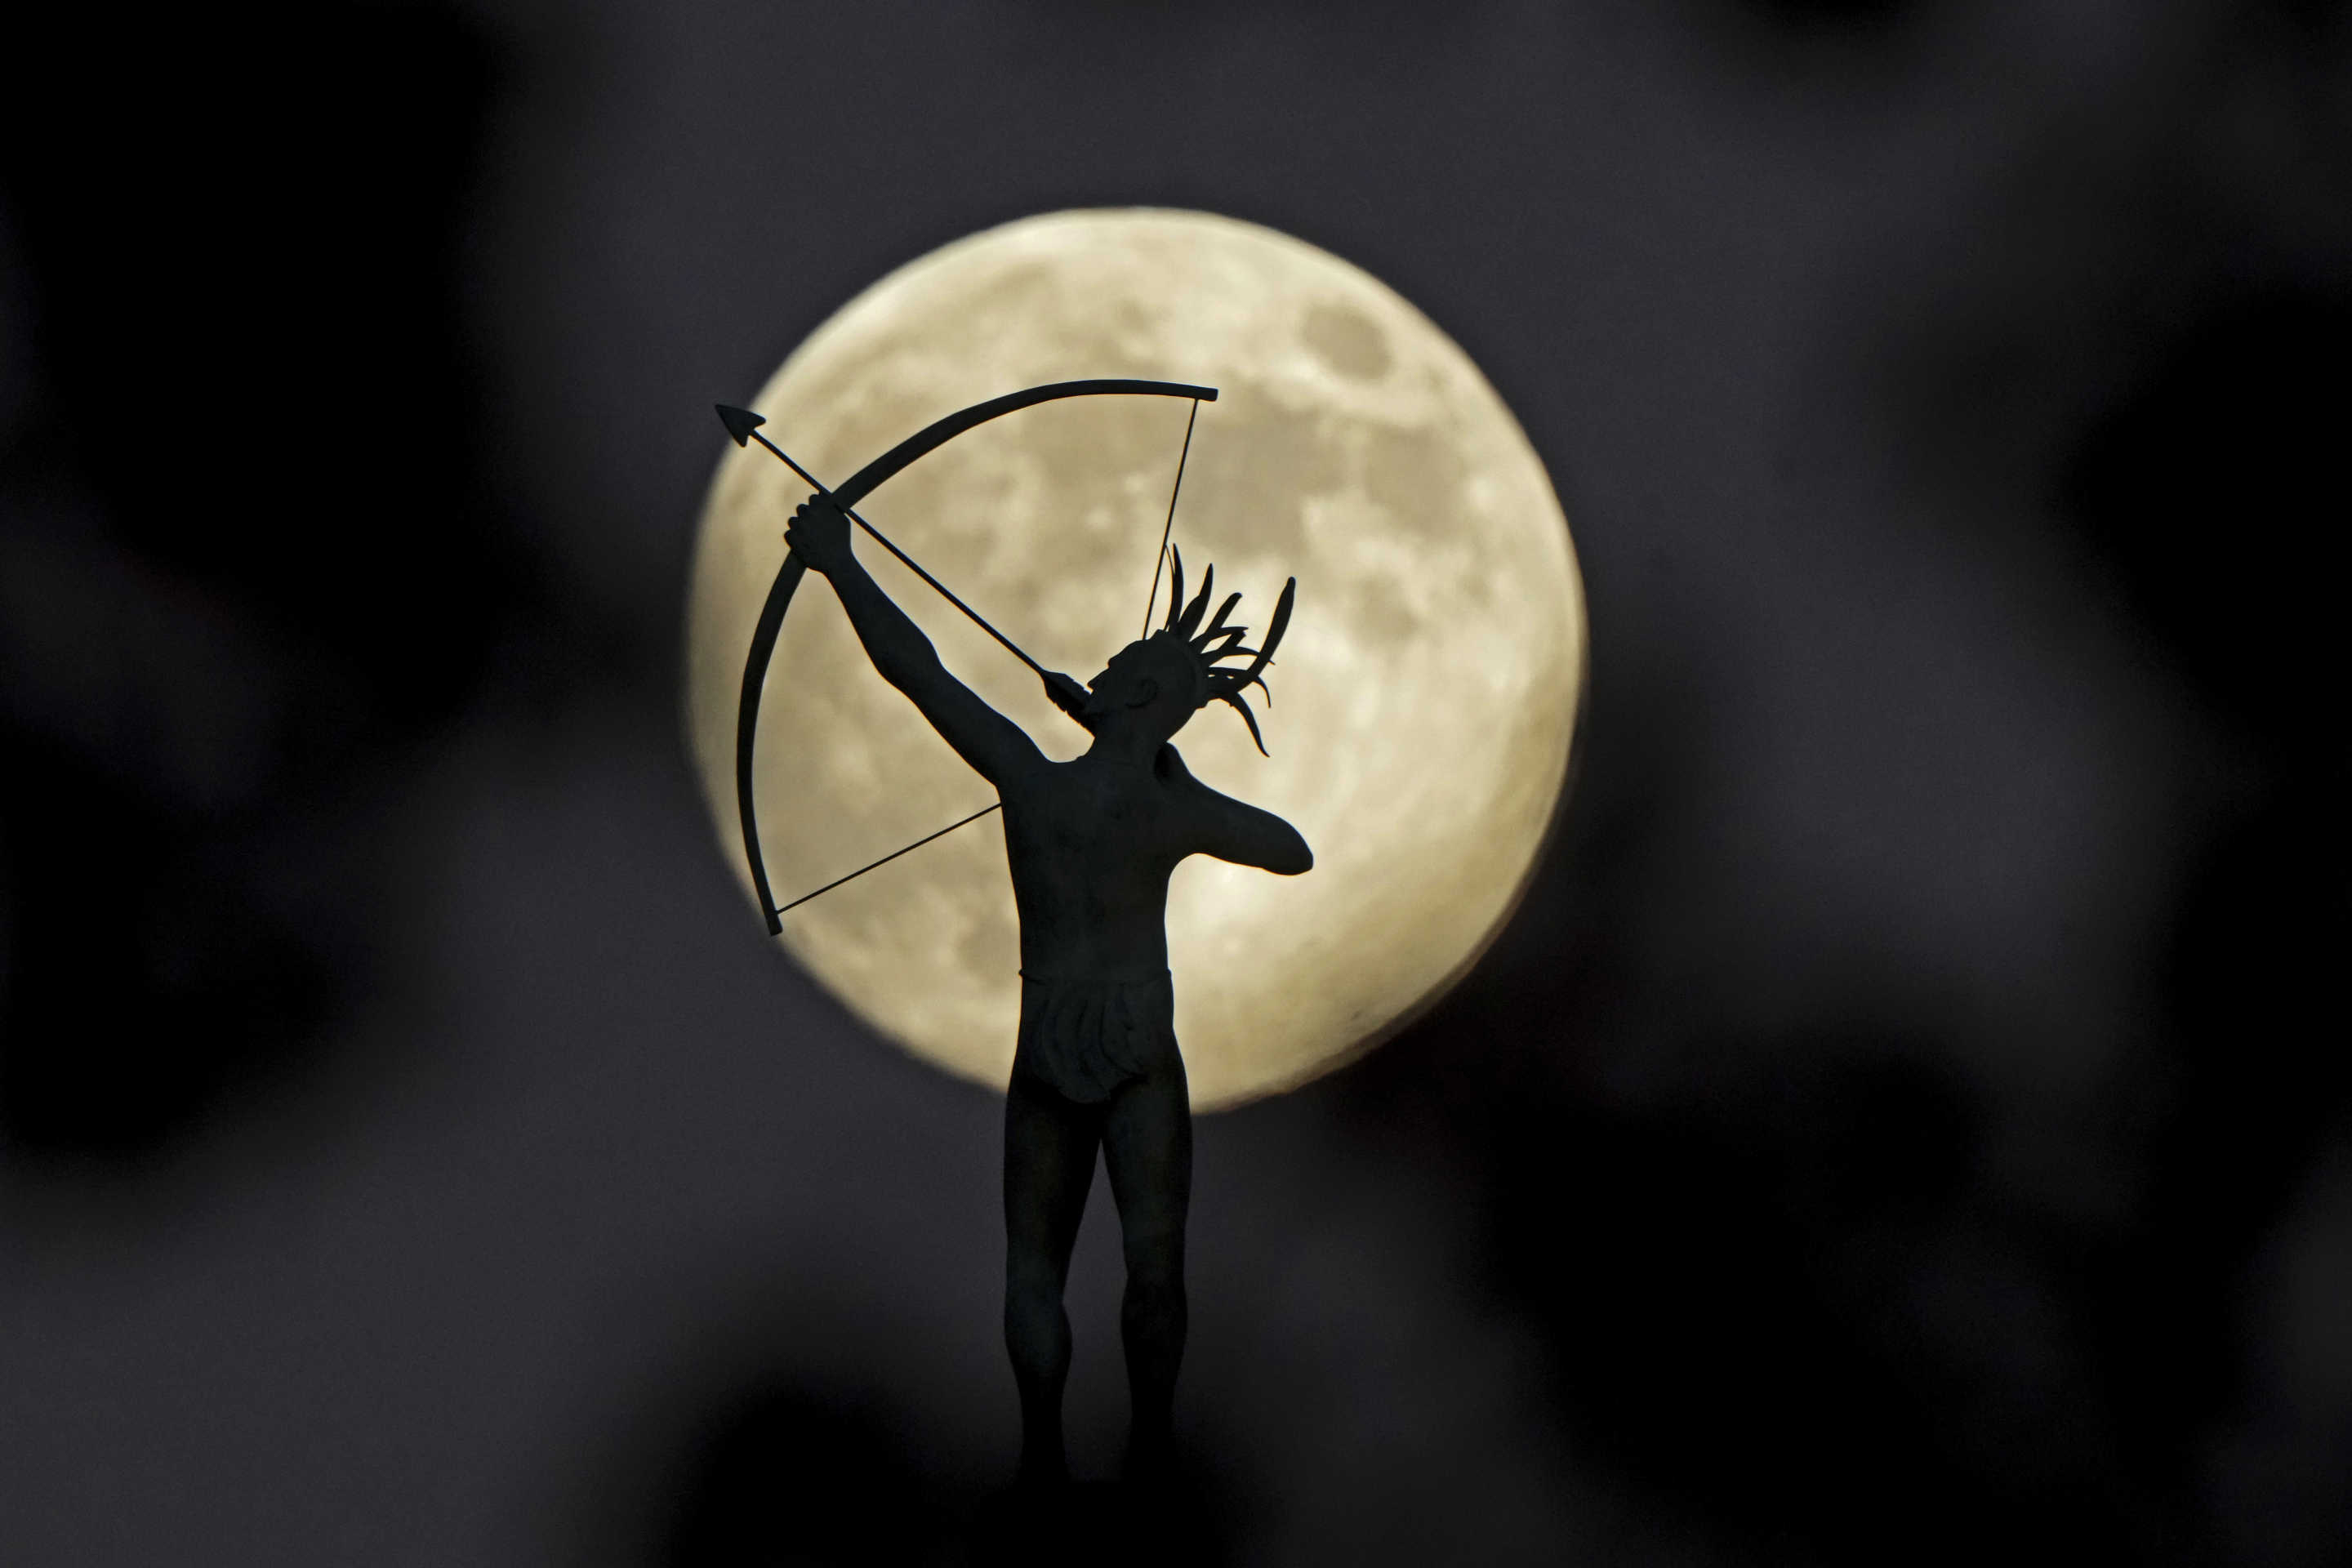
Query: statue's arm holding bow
x,y
996,747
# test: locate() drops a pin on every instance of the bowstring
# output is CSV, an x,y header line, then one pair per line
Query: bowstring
x,y
1168,530
894,854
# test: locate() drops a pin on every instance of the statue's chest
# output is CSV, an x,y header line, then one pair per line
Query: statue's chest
x,y
1090,814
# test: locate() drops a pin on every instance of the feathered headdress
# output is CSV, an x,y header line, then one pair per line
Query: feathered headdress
x,y
1205,645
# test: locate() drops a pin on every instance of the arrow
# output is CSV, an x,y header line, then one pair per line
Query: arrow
x,y
744,426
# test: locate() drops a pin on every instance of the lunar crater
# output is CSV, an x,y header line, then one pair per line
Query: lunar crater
x,y
1347,341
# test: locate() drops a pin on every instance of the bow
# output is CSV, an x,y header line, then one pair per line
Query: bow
x,y
742,426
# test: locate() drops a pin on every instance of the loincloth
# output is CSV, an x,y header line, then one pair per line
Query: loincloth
x,y
1084,1040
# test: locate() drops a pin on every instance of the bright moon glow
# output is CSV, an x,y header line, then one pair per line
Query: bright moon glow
x,y
1424,697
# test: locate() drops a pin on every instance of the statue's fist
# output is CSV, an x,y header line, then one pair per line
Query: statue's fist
x,y
819,534
1064,692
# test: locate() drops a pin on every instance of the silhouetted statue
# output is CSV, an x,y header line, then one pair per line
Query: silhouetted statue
x,y
1091,844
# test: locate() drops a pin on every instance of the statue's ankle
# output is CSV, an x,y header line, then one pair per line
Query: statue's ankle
x,y
1042,1467
1150,1455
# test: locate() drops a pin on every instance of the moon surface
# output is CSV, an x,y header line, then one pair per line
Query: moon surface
x,y
1424,697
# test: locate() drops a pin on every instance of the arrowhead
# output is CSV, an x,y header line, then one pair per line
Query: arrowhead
x,y
740,423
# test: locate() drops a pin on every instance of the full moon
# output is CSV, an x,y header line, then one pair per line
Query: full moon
x,y
1424,697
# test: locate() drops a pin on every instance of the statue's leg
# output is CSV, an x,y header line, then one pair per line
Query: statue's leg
x,y
1148,1150
1049,1163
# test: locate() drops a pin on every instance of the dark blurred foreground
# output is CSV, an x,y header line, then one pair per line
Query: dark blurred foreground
x,y
1907,1121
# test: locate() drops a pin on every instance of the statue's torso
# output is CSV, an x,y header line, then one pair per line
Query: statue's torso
x,y
1091,844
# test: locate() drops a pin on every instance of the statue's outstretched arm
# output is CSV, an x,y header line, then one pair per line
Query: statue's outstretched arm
x,y
994,745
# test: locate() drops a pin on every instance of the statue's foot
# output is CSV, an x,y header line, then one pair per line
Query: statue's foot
x,y
1045,1523
1150,1459
1042,1473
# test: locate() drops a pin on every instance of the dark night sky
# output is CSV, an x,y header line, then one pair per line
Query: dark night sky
x,y
1908,1121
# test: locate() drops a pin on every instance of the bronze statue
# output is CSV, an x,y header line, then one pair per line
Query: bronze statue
x,y
1091,844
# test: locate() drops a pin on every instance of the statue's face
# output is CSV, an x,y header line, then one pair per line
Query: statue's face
x,y
1142,678
1121,684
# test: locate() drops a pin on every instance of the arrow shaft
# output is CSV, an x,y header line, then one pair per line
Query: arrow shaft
x,y
905,560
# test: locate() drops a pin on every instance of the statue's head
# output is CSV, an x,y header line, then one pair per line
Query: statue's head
x,y
1159,683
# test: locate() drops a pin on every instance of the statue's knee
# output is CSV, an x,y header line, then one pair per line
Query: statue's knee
x,y
1156,1284
1036,1334
1155,1261
1032,1294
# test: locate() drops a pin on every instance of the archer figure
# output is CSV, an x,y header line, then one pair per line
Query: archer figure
x,y
1091,844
